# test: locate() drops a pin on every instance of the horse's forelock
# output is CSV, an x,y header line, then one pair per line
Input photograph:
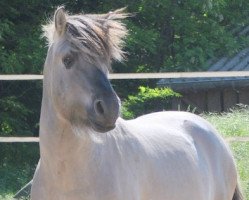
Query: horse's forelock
x,y
96,35
85,34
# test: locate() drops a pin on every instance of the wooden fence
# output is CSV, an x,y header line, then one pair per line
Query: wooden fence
x,y
172,75
143,75
36,139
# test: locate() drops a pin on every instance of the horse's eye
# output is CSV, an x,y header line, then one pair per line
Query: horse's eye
x,y
68,62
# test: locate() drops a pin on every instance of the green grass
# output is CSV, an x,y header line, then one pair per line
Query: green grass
x,y
233,123
241,154
6,196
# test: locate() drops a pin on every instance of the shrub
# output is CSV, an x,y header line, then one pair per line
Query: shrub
x,y
148,100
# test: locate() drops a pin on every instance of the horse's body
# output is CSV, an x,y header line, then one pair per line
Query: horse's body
x,y
168,155
160,156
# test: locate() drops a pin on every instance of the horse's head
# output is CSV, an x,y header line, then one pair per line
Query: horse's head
x,y
76,68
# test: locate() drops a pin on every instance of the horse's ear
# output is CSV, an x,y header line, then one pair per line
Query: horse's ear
x,y
60,20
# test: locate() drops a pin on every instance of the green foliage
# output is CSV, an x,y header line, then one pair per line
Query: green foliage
x,y
164,35
13,117
21,47
27,56
183,35
17,166
19,108
148,100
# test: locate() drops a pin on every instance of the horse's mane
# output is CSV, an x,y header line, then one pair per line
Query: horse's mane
x,y
97,35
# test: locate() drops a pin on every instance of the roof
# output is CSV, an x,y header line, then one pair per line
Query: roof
x,y
183,84
238,62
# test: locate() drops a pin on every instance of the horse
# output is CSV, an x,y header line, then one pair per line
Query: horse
x,y
87,151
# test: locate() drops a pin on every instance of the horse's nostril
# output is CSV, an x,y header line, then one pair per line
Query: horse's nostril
x,y
99,107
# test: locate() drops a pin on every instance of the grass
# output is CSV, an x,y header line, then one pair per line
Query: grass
x,y
6,196
241,154
17,162
233,123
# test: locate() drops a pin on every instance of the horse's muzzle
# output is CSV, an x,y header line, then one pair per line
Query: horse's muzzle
x,y
104,113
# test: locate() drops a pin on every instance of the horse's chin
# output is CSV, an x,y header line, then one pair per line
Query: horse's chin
x,y
101,128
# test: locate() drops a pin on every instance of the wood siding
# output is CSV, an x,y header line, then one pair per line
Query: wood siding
x,y
218,100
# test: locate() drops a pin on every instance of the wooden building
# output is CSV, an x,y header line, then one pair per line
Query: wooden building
x,y
213,94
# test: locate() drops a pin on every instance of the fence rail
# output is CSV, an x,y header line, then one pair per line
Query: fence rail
x,y
172,75
18,139
36,139
143,75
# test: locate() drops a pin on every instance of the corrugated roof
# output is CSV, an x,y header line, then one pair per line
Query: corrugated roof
x,y
239,62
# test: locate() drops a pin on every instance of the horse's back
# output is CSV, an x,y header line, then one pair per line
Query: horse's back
x,y
190,155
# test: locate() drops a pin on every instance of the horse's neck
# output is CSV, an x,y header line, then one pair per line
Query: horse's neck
x,y
57,139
